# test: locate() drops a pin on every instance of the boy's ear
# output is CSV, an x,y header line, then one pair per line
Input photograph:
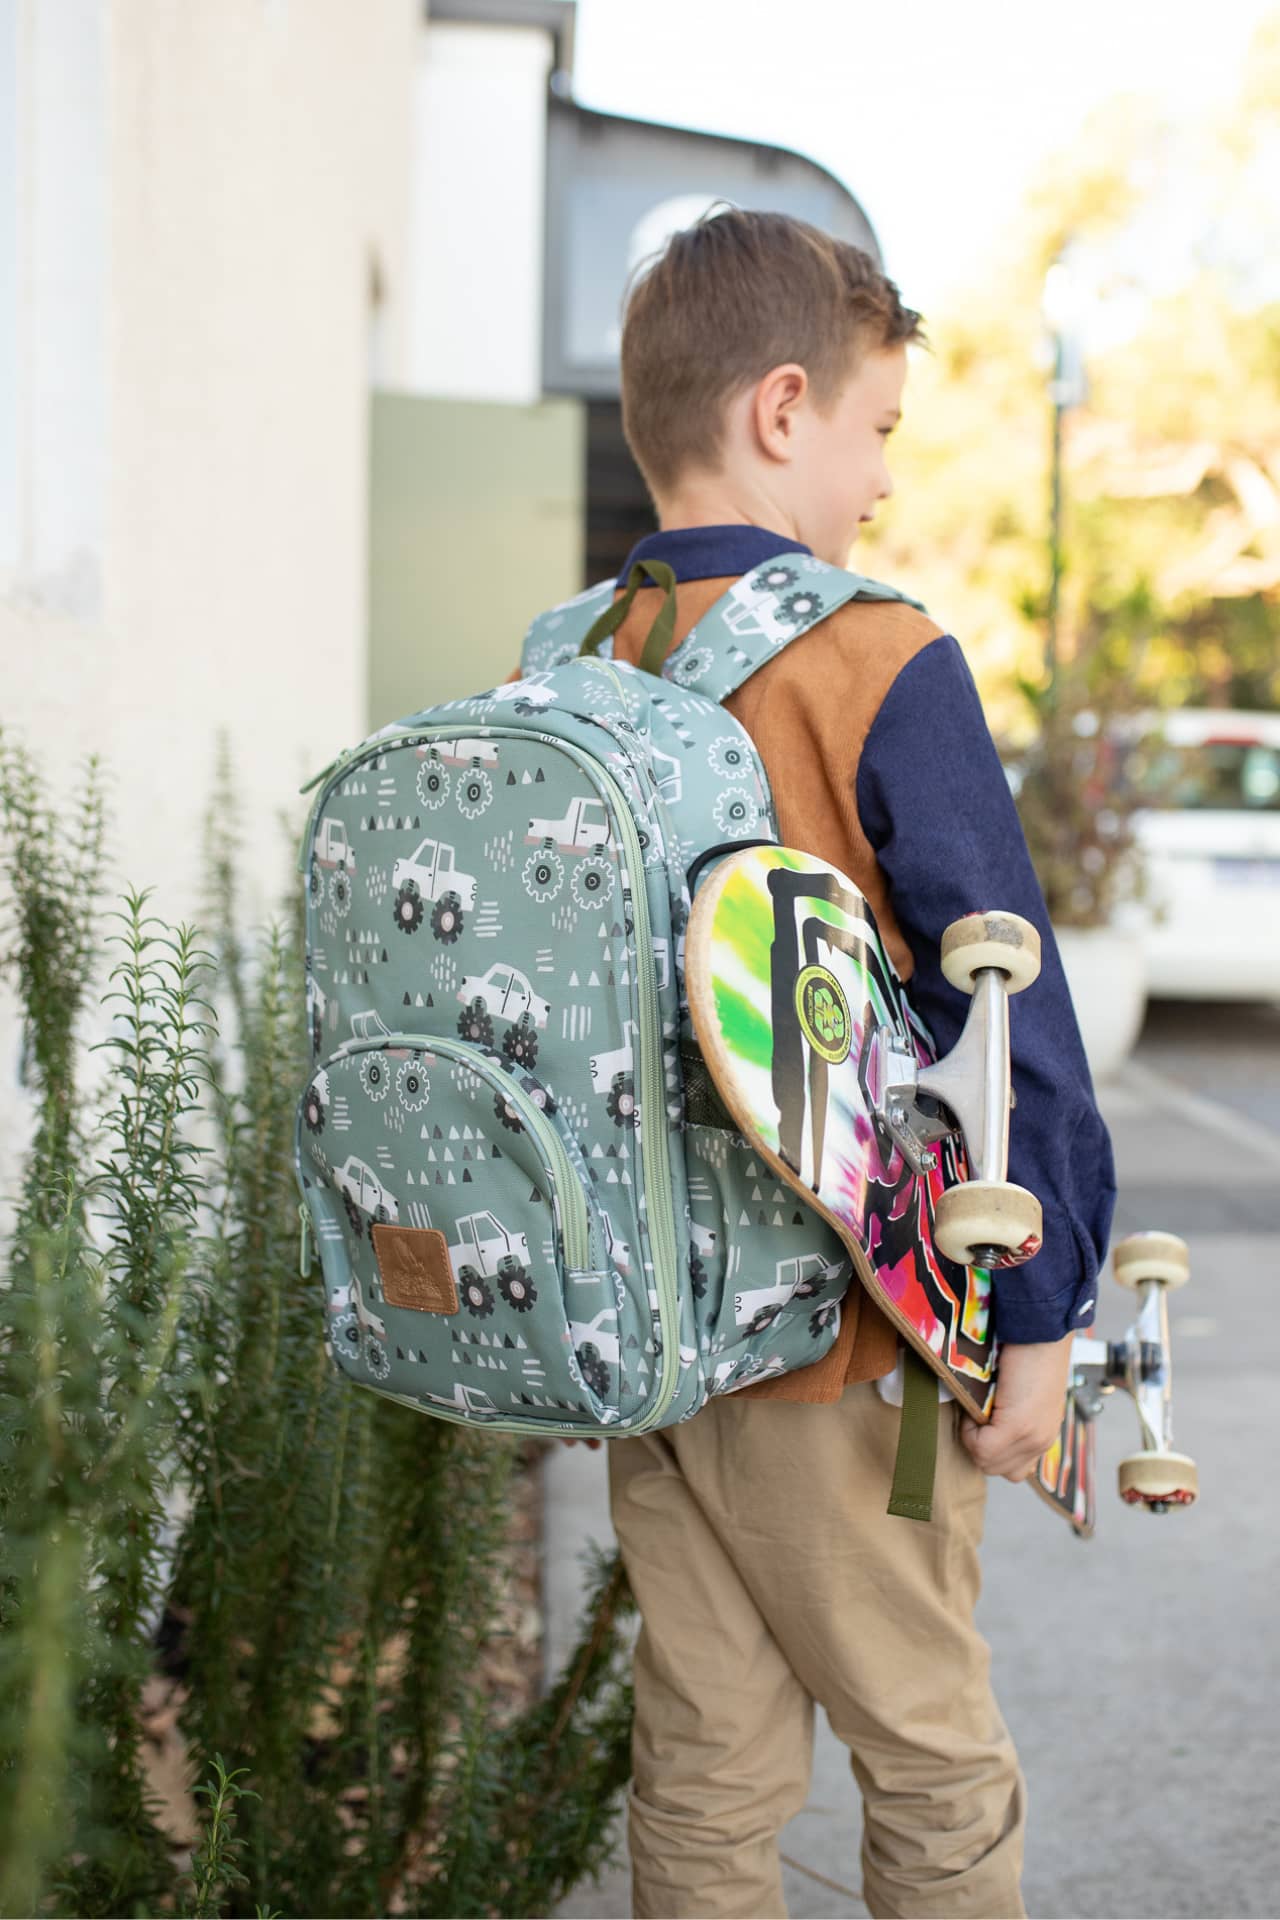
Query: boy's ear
x,y
778,399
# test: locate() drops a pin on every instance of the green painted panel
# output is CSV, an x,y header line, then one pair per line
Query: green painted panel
x,y
476,523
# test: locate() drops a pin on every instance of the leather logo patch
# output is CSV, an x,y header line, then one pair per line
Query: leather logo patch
x,y
413,1264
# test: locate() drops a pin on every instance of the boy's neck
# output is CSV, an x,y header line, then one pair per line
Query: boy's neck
x,y
706,507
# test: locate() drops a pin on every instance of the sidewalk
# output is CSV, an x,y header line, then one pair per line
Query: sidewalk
x,y
1135,1670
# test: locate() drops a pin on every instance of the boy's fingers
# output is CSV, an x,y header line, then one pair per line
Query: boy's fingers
x,y
1009,1453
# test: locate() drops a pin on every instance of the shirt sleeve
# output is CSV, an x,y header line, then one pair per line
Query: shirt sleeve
x,y
935,804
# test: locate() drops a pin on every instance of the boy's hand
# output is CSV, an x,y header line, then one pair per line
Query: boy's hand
x,y
1031,1392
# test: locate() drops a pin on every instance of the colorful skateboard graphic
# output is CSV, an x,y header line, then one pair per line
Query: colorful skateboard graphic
x,y
825,1066
789,986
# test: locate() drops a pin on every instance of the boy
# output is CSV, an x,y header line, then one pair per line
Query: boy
x,y
763,365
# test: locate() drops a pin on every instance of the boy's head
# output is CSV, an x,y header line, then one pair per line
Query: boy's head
x,y
762,370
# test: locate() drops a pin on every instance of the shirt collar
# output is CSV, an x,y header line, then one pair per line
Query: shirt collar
x,y
711,553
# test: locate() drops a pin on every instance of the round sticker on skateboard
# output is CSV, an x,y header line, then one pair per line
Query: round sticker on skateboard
x,y
823,1013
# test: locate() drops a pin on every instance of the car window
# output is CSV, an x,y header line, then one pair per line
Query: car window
x,y
500,978
1238,776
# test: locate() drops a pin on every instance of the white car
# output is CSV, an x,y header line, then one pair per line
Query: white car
x,y
361,1187
506,992
1210,924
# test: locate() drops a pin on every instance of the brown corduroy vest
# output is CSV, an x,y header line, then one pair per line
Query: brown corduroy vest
x,y
808,711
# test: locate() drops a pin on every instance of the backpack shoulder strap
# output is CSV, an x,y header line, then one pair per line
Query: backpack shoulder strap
x,y
556,635
763,611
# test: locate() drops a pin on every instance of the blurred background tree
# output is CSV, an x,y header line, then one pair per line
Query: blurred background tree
x,y
1172,467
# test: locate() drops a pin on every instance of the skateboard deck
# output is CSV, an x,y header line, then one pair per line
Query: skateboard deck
x,y
788,981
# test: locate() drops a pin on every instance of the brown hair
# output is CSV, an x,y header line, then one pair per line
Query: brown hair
x,y
724,301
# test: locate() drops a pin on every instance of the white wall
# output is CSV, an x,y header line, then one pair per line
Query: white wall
x,y
230,173
477,233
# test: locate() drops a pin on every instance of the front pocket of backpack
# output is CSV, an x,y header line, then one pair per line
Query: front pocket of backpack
x,y
455,1224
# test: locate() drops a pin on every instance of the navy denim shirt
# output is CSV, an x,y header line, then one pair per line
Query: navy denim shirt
x,y
936,807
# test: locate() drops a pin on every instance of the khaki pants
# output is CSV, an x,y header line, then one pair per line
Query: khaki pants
x,y
769,1576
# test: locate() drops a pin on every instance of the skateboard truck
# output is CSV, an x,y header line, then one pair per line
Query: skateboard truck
x,y
1156,1478
985,1221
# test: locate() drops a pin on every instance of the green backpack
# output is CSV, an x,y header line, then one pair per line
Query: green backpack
x,y
530,1209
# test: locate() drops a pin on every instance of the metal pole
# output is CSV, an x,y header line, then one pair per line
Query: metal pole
x,y
1055,522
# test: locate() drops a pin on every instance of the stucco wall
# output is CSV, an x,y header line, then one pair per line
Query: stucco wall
x,y
253,175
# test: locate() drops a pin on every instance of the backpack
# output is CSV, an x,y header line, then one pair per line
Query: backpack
x,y
531,1211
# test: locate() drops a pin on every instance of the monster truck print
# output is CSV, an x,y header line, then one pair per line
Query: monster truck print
x,y
460,753
581,830
796,1279
429,877
363,1193
484,1250
332,848
596,1349
613,1074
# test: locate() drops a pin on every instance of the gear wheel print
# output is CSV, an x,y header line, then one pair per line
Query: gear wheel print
x,y
340,892
433,783
374,1076
804,605
728,758
592,882
413,1089
475,791
692,667
735,813
774,579
313,1110
543,875
344,1335
376,1357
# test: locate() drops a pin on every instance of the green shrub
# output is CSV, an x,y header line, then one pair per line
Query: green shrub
x,y
186,1483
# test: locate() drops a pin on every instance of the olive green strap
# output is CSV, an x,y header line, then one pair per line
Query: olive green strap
x,y
663,631
912,1495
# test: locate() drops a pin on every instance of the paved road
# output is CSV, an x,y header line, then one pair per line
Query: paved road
x,y
1139,1670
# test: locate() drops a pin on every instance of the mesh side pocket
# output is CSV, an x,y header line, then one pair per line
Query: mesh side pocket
x,y
703,1105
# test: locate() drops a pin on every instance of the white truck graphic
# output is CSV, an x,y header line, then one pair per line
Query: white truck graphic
x,y
613,1074
527,696
619,1253
332,848
369,1025
361,1188
597,1349
505,992
606,1066
486,1247
467,1400
583,828
460,753
795,1279
429,875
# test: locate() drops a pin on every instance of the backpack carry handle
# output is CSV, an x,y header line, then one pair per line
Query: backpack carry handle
x,y
663,631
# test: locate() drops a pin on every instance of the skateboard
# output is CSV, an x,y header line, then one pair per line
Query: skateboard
x,y
826,1068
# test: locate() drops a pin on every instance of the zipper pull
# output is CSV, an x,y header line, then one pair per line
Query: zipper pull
x,y
304,1247
337,761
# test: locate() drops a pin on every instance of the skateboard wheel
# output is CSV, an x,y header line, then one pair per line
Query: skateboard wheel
x,y
1001,940
1170,1478
980,1214
1152,1256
